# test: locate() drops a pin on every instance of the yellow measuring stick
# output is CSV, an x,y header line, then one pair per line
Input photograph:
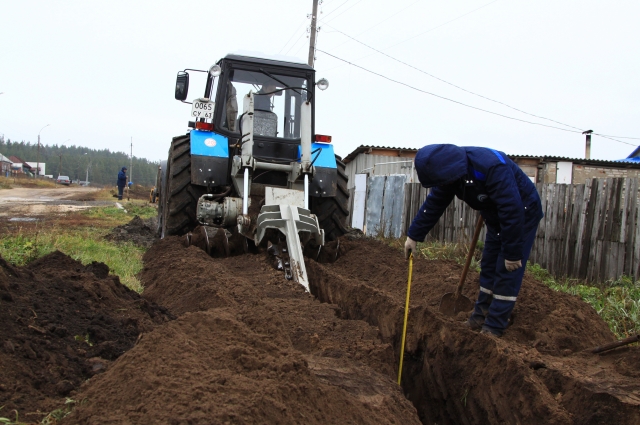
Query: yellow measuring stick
x,y
406,316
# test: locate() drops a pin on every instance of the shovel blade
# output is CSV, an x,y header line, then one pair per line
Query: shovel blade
x,y
450,305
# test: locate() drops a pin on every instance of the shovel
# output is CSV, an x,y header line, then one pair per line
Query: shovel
x,y
454,302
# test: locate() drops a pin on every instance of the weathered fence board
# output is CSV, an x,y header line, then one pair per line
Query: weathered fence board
x,y
385,206
590,231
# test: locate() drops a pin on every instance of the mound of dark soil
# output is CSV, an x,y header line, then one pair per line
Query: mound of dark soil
x,y
140,232
248,347
537,373
62,323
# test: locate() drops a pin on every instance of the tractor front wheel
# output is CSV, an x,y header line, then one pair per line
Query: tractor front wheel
x,y
179,198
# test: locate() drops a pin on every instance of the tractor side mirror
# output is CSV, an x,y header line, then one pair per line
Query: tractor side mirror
x,y
182,86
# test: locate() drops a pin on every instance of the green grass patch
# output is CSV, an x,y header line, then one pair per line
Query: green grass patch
x,y
85,244
117,216
444,251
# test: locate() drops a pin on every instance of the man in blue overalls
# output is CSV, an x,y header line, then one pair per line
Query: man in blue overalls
x,y
490,182
122,181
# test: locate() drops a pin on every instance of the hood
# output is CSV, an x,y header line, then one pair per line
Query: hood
x,y
438,165
123,168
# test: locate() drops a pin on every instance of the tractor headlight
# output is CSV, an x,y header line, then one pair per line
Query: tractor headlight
x,y
322,84
215,70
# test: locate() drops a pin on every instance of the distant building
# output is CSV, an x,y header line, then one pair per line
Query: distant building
x,y
34,166
5,165
556,169
19,166
382,160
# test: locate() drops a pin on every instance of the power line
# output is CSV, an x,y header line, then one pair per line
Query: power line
x,y
449,83
296,43
476,94
389,17
347,9
619,137
457,102
431,29
441,25
615,140
342,4
293,35
380,22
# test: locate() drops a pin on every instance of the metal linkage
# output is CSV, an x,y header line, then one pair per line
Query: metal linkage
x,y
290,220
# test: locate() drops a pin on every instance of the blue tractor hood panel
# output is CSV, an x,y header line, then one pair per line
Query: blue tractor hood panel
x,y
438,165
321,155
207,143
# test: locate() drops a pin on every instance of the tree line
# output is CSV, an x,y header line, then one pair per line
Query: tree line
x,y
73,161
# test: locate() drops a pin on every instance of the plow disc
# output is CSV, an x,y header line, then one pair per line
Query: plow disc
x,y
218,242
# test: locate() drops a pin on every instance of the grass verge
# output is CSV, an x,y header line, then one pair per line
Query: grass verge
x,y
11,182
84,243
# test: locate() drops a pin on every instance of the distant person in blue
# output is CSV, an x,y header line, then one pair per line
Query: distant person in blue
x,y
122,181
488,181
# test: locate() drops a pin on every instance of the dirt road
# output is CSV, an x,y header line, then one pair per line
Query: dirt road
x,y
23,202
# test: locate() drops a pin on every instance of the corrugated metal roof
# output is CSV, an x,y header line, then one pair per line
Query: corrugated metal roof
x,y
5,159
364,148
621,163
583,161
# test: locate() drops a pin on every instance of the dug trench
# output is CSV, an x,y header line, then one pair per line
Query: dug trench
x,y
541,371
236,343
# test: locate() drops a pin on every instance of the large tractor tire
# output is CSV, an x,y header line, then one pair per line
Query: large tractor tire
x,y
179,198
332,212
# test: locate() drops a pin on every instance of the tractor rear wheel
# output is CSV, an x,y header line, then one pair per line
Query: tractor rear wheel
x,y
332,212
179,198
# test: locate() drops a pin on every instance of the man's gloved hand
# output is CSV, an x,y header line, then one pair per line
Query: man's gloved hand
x,y
409,247
511,265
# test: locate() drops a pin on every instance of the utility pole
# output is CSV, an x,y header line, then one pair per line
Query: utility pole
x,y
131,161
587,147
86,179
38,154
60,166
312,39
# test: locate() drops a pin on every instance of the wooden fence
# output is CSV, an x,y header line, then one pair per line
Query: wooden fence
x,y
590,231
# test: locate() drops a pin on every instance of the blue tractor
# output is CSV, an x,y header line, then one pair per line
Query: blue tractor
x,y
252,169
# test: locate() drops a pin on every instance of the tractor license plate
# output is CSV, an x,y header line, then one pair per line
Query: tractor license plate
x,y
202,109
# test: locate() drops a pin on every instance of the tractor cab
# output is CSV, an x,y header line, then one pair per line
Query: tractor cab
x,y
279,89
279,93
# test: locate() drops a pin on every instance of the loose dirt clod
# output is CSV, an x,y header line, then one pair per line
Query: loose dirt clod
x,y
140,232
62,323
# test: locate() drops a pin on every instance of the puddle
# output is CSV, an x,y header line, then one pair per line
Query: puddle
x,y
23,219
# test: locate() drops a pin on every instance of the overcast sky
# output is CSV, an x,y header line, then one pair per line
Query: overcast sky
x,y
101,72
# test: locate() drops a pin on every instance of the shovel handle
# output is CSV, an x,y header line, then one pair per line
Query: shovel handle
x,y
616,344
472,249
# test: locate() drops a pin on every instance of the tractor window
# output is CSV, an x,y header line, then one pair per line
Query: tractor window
x,y
276,114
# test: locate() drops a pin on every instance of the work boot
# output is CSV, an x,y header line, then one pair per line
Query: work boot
x,y
474,323
490,331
